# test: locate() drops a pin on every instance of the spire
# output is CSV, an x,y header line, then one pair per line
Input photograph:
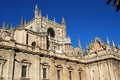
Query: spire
x,y
108,42
113,44
79,44
36,12
63,21
11,26
22,21
36,7
4,25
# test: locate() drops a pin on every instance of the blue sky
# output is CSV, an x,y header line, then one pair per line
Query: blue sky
x,y
85,19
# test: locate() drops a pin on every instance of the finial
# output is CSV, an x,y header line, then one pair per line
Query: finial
x,y
36,12
108,42
40,13
79,44
36,7
113,44
4,25
63,21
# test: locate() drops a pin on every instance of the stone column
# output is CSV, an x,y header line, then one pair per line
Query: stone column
x,y
90,72
11,65
98,65
2,62
37,68
110,69
1,68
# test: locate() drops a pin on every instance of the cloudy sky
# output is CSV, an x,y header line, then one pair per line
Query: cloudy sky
x,y
86,19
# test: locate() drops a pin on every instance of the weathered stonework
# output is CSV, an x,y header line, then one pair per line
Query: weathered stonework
x,y
41,50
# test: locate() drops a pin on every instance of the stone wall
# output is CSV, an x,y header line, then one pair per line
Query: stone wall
x,y
14,60
101,70
116,69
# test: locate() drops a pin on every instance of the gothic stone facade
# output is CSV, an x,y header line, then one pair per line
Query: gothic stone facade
x,y
40,50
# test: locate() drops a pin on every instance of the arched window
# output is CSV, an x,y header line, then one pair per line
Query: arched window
x,y
27,39
33,44
51,32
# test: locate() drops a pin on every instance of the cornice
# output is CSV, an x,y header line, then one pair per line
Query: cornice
x,y
39,53
33,32
84,61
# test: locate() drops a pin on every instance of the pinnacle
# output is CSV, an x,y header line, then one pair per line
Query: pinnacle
x,y
40,13
79,44
63,21
22,21
108,42
113,44
4,25
36,7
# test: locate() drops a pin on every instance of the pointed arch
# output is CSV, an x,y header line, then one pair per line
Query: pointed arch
x,y
51,32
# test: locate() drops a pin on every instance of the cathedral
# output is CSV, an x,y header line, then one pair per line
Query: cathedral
x,y
41,50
